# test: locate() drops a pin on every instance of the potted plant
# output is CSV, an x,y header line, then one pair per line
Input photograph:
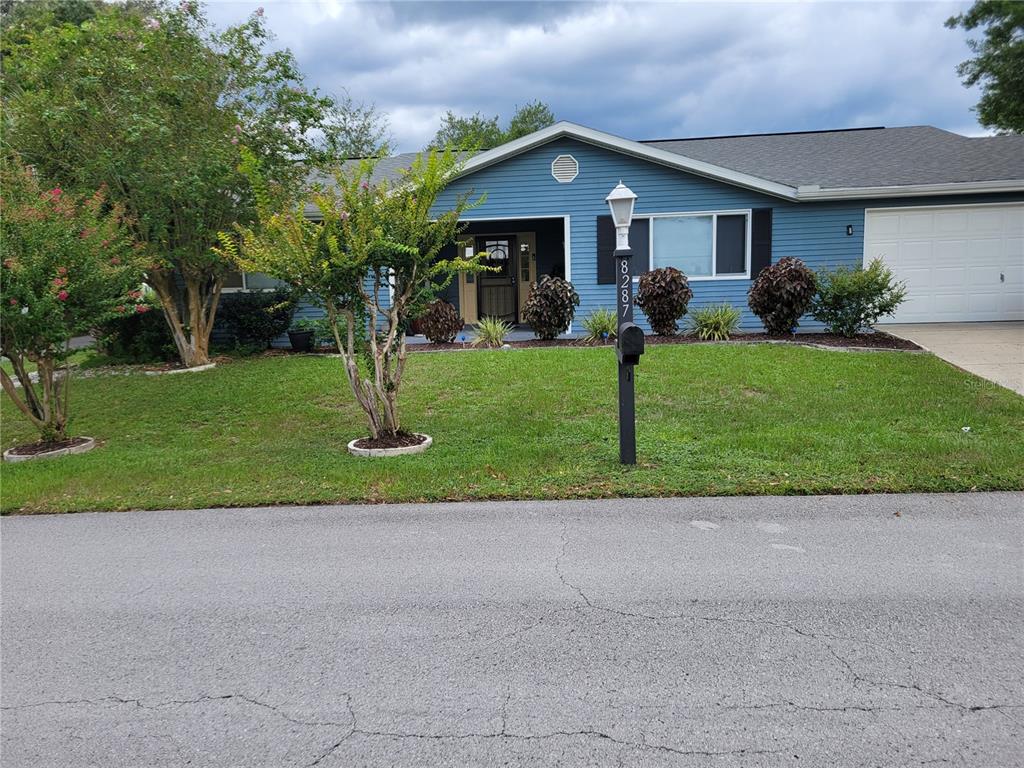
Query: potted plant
x,y
302,335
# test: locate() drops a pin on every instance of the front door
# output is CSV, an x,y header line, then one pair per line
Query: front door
x,y
497,295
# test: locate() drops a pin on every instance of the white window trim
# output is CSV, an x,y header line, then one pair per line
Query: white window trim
x,y
245,288
748,212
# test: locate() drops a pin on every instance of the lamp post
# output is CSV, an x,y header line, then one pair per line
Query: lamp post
x,y
629,338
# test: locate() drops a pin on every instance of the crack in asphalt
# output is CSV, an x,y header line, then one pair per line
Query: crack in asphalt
x,y
819,639
140,704
586,603
585,732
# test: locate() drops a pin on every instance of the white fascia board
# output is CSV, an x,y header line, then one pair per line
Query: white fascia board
x,y
627,147
911,190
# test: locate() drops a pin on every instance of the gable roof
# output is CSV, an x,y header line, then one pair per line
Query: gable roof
x,y
825,165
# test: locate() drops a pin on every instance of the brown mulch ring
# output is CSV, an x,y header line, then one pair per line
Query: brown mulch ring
x,y
401,440
32,449
877,340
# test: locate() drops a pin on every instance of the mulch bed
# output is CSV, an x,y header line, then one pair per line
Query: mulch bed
x,y
877,340
31,449
401,440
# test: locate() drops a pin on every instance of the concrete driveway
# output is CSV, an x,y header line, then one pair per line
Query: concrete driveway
x,y
733,633
994,351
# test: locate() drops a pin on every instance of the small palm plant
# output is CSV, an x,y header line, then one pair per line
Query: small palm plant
x,y
714,323
491,332
600,324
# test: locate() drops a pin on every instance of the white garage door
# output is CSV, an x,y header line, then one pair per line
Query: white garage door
x,y
959,263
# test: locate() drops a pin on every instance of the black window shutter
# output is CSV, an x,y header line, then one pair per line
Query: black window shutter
x,y
605,250
639,242
760,240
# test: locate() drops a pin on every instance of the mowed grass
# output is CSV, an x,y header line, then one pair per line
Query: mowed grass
x,y
533,423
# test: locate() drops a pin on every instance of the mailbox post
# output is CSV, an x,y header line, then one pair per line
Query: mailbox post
x,y
629,338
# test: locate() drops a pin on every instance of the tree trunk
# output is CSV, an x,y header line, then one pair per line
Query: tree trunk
x,y
364,391
47,408
190,311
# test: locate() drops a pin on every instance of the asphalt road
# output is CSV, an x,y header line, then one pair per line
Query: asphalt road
x,y
842,631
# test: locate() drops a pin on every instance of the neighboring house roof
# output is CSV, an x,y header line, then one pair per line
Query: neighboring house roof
x,y
387,169
814,165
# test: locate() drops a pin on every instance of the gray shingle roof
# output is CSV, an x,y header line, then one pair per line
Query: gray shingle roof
x,y
387,168
869,157
832,160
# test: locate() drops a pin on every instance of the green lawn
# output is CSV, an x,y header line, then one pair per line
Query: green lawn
x,y
534,423
79,357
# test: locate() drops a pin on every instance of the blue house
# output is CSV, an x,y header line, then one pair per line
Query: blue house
x,y
944,211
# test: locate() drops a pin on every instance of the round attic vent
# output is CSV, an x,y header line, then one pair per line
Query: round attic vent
x,y
565,168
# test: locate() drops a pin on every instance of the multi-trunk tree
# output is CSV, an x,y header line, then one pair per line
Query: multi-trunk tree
x,y
68,264
150,101
370,258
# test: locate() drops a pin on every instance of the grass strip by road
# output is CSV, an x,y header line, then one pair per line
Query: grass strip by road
x,y
532,423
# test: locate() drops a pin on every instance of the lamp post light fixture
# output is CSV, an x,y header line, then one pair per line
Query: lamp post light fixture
x,y
629,338
621,200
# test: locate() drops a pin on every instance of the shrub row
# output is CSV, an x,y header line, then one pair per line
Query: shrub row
x,y
246,322
846,301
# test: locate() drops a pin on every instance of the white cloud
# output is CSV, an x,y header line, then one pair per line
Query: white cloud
x,y
643,70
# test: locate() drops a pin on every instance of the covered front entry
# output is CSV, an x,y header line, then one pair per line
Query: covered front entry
x,y
521,251
496,293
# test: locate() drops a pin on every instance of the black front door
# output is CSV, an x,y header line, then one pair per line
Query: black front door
x,y
497,293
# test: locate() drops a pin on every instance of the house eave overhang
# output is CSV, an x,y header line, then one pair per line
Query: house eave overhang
x,y
812,193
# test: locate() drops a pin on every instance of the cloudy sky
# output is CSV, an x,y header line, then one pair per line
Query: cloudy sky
x,y
637,69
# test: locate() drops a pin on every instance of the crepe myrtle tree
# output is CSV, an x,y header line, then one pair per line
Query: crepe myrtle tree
x,y
68,264
152,101
372,257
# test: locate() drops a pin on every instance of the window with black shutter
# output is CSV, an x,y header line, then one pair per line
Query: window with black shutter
x,y
703,245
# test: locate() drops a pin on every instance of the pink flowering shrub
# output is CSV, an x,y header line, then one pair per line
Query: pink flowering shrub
x,y
68,265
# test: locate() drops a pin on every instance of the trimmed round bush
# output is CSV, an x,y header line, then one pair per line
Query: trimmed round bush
x,y
852,300
781,294
663,294
551,306
441,322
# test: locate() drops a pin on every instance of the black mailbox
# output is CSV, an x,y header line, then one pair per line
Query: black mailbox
x,y
630,344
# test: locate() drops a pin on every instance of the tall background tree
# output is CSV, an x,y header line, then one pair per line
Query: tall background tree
x,y
480,132
152,102
998,63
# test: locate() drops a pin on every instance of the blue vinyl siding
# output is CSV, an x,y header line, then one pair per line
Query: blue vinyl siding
x,y
523,186
308,310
